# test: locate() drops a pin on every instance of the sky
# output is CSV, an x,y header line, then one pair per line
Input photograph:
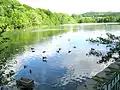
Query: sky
x,y
75,6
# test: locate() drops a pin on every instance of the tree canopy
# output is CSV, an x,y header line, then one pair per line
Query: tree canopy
x,y
14,15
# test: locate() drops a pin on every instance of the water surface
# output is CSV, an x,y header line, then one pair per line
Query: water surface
x,y
60,71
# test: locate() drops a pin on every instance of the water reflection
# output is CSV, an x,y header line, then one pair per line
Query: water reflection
x,y
15,46
63,70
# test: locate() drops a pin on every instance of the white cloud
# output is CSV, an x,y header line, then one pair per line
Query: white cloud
x,y
75,6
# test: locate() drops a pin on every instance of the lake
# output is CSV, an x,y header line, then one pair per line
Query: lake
x,y
57,57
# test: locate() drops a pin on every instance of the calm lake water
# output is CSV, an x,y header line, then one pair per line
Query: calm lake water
x,y
65,70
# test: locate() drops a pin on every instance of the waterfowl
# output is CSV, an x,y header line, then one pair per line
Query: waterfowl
x,y
59,49
44,58
30,71
69,51
43,51
25,66
97,44
15,62
32,48
92,49
85,85
33,51
74,46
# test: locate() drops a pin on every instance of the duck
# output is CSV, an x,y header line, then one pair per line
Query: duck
x,y
92,49
97,44
85,85
32,48
43,51
15,62
59,49
87,54
44,60
25,66
30,71
74,46
44,57
33,51
69,51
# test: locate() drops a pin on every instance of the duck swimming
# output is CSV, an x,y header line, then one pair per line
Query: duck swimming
x,y
30,71
44,58
58,51
33,51
69,51
43,51
25,66
74,46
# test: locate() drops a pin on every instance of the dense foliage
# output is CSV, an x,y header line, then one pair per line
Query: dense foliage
x,y
14,15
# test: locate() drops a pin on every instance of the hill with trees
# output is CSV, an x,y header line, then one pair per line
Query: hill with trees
x,y
14,15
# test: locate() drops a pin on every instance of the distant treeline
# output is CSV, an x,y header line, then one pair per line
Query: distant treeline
x,y
101,14
14,15
97,17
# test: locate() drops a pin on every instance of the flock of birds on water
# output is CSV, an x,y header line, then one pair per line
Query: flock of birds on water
x,y
44,58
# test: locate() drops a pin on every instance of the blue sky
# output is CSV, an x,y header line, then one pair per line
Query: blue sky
x,y
75,6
